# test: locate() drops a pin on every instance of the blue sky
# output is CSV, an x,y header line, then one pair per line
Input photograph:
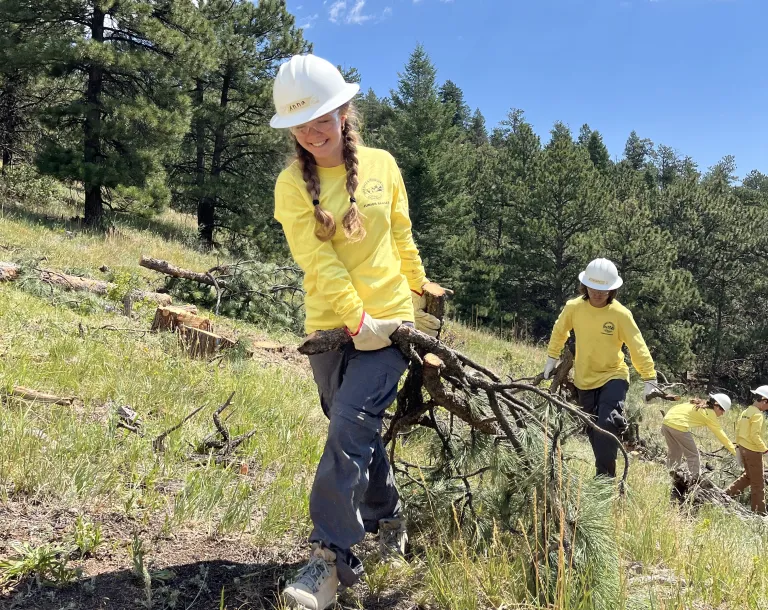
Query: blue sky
x,y
691,74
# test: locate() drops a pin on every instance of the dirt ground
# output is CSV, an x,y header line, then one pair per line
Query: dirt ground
x,y
190,569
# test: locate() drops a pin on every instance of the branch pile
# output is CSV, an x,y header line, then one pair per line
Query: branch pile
x,y
253,291
494,459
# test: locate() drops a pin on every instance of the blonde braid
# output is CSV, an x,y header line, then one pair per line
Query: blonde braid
x,y
353,219
326,225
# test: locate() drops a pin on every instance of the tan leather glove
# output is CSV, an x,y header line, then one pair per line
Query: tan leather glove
x,y
425,322
373,334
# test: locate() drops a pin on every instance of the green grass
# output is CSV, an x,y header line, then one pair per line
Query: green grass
x,y
76,456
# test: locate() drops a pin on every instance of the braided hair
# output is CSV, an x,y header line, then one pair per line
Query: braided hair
x,y
352,223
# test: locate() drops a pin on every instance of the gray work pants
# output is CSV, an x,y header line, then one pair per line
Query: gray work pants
x,y
681,446
605,405
354,485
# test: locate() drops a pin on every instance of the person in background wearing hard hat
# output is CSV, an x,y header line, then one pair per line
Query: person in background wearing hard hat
x,y
751,449
676,429
602,326
344,212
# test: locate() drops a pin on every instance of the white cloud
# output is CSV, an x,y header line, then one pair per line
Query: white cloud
x,y
310,21
356,15
339,12
336,10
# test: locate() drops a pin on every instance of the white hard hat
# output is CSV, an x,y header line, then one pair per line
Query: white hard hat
x,y
761,391
307,87
722,400
601,274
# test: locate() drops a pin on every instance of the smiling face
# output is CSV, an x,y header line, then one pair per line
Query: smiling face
x,y
323,138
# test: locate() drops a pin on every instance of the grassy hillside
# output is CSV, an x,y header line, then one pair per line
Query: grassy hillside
x,y
158,530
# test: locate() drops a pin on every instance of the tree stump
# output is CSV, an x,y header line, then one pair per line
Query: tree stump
x,y
9,272
171,318
200,343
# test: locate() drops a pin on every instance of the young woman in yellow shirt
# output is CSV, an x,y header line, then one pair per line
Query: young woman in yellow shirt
x,y
681,419
752,447
602,326
344,212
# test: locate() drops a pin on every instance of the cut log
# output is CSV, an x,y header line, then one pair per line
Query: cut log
x,y
202,344
35,396
161,266
73,282
171,318
435,296
9,272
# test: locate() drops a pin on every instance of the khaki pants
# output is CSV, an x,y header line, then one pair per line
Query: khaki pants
x,y
681,446
753,478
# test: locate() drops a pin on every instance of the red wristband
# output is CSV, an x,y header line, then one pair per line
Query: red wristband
x,y
359,326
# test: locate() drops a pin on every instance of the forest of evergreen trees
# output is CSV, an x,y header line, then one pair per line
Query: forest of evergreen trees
x,y
146,105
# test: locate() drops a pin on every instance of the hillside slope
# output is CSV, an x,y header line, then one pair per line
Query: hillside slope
x,y
161,530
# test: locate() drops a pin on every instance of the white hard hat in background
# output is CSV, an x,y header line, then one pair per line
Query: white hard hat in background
x,y
722,400
601,274
761,391
307,87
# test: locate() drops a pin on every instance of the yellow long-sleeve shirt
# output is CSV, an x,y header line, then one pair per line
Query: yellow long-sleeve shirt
x,y
600,333
342,278
749,430
685,416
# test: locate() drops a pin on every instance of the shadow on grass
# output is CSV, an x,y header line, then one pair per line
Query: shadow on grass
x,y
56,221
201,585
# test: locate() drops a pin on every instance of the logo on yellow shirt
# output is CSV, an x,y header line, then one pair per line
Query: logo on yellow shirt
x,y
373,189
608,328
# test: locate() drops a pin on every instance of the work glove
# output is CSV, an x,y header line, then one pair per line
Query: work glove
x,y
425,322
739,461
373,334
549,367
649,387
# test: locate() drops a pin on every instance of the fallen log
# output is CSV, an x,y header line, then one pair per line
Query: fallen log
x,y
100,287
171,318
35,396
161,266
699,490
9,272
200,343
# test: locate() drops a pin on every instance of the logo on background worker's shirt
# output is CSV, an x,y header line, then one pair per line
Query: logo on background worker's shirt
x,y
373,189
608,328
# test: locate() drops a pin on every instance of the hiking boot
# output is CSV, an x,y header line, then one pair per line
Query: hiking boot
x,y
393,539
315,585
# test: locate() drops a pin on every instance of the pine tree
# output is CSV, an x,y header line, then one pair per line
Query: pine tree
x,y
661,296
478,133
718,246
753,189
376,114
231,156
451,95
598,152
113,138
569,199
585,133
426,145
637,151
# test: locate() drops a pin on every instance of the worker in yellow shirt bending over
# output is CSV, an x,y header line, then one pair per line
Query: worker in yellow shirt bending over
x,y
344,212
602,326
680,419
751,449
